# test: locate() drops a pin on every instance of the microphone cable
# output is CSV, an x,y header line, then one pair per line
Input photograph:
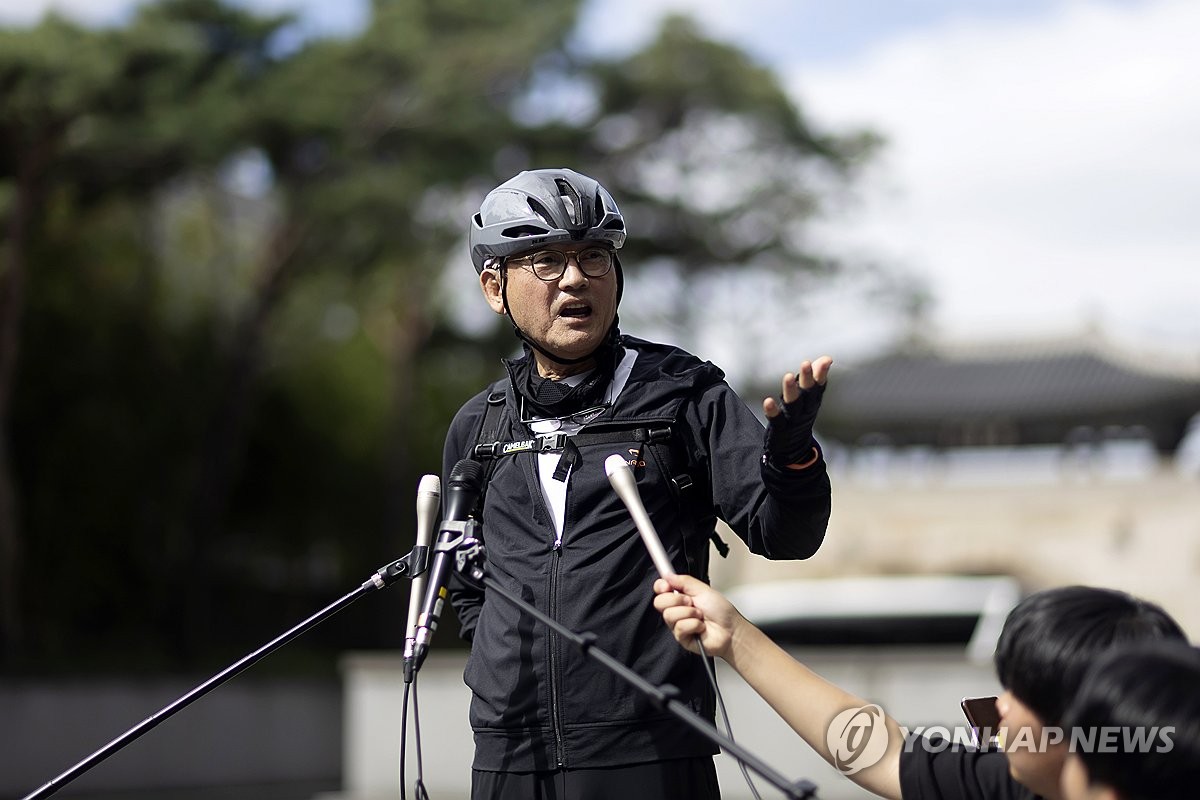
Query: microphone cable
x,y
419,791
712,680
403,738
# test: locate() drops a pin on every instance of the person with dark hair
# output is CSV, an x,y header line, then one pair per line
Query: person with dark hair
x,y
1135,727
1047,642
547,720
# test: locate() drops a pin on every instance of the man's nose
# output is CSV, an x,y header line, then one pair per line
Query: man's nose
x,y
573,275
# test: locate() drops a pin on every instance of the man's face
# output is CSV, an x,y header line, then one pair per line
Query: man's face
x,y
1032,761
569,315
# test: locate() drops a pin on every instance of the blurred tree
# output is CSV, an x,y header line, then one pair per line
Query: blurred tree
x,y
231,255
714,164
85,117
297,193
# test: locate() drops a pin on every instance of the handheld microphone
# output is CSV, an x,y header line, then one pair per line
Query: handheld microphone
x,y
622,480
429,500
462,492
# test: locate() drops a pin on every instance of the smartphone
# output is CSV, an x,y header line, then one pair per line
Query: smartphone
x,y
981,713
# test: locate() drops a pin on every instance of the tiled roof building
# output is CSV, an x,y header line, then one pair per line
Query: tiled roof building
x,y
1050,394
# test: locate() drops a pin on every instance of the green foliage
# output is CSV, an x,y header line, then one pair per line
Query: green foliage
x,y
714,165
721,164
234,365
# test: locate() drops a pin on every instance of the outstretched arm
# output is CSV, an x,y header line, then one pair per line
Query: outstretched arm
x,y
806,701
772,489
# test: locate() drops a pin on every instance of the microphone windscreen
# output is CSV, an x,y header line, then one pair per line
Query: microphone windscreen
x,y
625,485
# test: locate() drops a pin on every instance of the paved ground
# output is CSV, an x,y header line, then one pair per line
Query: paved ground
x,y
287,791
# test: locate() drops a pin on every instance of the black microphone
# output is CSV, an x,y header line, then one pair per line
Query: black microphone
x,y
462,492
429,500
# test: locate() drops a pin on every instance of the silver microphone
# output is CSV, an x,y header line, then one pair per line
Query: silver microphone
x,y
623,482
429,501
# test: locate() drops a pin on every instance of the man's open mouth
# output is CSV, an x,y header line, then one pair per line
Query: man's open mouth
x,y
575,310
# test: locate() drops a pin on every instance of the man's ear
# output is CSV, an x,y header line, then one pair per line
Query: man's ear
x,y
489,282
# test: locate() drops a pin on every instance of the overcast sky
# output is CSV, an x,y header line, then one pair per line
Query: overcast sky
x,y
1043,159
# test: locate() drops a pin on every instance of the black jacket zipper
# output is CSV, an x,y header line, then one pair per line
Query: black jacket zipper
x,y
554,643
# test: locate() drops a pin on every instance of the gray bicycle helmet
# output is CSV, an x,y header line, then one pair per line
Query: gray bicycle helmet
x,y
539,207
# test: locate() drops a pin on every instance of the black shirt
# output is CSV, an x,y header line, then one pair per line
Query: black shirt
x,y
956,773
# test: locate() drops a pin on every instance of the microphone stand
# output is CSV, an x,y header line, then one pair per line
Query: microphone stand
x,y
469,561
410,566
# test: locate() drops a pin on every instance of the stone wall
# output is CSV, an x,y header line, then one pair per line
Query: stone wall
x,y
1132,525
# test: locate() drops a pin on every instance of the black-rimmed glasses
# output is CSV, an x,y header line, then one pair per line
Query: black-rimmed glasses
x,y
549,265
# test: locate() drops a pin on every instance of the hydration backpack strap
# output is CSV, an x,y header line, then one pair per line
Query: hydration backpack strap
x,y
489,431
682,484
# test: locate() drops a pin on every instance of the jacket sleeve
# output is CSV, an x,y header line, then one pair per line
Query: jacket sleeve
x,y
779,513
466,600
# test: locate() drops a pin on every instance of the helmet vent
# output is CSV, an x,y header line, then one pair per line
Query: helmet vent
x,y
541,211
570,199
519,231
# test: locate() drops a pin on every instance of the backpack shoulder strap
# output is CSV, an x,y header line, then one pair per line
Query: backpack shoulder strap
x,y
489,427
676,451
489,430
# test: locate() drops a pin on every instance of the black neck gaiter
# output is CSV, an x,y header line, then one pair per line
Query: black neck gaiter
x,y
550,398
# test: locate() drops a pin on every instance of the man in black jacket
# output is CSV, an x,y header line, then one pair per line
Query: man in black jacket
x,y
548,722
